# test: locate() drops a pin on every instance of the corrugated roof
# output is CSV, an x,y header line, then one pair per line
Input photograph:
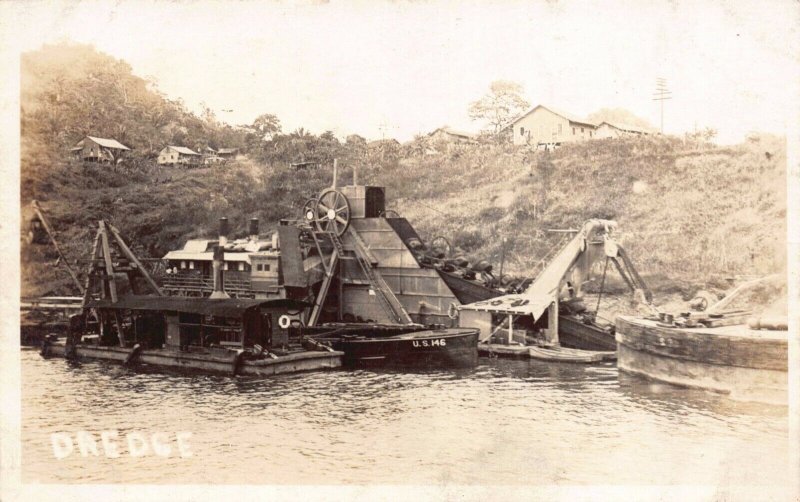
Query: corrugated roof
x,y
183,150
222,307
108,143
625,127
568,116
199,245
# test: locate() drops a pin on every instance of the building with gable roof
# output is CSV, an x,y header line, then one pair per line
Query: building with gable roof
x,y
544,125
94,149
615,130
452,135
178,155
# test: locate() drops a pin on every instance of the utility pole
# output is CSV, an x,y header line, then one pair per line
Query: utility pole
x,y
662,94
382,128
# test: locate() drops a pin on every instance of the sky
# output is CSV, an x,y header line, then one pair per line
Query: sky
x,y
403,68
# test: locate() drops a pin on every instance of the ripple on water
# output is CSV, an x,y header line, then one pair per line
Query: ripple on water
x,y
502,422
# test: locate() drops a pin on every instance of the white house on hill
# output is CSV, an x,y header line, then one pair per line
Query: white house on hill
x,y
543,125
173,155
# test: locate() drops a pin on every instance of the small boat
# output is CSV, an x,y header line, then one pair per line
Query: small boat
x,y
393,345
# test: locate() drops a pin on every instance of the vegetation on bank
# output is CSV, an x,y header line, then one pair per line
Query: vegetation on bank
x,y
690,213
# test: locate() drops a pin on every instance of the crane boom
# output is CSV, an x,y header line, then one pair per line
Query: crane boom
x,y
40,215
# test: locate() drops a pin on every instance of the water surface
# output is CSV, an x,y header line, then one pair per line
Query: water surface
x,y
504,422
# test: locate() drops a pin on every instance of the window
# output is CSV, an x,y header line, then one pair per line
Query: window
x,y
225,267
559,129
191,265
183,264
573,131
260,267
241,266
522,131
581,130
266,267
590,134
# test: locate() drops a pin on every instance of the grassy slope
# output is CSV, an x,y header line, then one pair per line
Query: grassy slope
x,y
687,214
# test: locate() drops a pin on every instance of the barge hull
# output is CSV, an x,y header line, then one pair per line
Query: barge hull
x,y
746,365
303,361
446,350
576,334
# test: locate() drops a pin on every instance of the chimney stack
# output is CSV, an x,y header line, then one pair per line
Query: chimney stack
x,y
254,229
355,175
219,265
223,231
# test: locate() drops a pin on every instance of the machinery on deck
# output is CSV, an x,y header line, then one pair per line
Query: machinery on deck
x,y
528,322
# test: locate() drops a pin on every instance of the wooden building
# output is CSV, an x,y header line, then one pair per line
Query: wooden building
x,y
94,149
451,135
609,130
175,155
543,125
228,153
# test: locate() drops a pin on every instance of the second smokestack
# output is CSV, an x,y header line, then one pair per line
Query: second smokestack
x,y
254,229
218,265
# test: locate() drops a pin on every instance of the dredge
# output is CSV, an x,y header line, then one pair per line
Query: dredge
x,y
337,284
346,280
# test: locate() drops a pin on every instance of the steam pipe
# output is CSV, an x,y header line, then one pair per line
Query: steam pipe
x,y
223,231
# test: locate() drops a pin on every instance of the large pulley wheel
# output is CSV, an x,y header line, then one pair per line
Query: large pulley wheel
x,y
308,212
332,212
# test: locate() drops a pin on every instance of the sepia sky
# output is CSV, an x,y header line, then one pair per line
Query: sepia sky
x,y
353,67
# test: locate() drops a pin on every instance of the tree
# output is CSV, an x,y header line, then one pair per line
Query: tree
x,y
266,126
503,102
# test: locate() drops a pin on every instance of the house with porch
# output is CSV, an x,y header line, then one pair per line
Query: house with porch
x,y
94,149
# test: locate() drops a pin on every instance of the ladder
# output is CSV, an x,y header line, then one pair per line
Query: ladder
x,y
386,297
389,301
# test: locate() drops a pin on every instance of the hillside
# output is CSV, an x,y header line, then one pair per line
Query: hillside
x,y
688,214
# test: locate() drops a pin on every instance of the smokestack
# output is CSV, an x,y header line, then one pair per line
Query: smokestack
x,y
223,231
355,175
218,265
254,229
335,172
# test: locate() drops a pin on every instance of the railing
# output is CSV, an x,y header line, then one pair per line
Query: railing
x,y
204,284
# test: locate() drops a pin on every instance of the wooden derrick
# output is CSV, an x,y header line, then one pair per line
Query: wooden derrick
x,y
104,266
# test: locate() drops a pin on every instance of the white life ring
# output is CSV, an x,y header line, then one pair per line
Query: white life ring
x,y
284,321
452,311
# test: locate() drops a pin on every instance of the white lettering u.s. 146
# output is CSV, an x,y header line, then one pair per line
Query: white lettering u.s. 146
x,y
441,342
